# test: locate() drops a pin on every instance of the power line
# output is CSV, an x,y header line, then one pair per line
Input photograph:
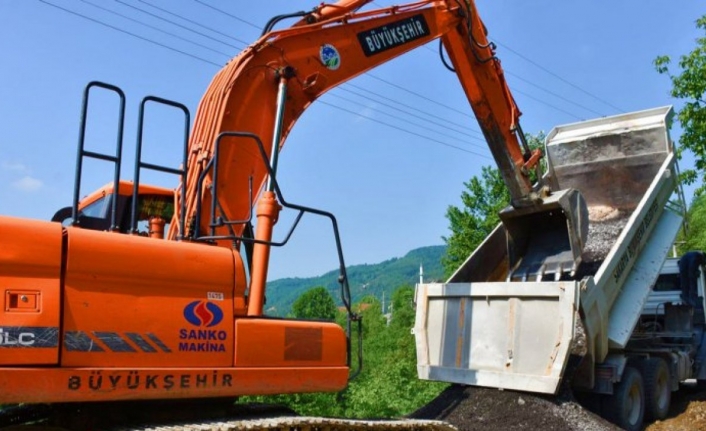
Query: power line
x,y
179,25
344,89
131,34
218,65
547,104
193,22
461,112
410,114
237,18
405,130
392,84
515,90
446,120
559,77
393,107
404,119
554,94
367,74
419,95
155,28
552,74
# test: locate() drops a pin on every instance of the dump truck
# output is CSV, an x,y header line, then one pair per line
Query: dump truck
x,y
506,320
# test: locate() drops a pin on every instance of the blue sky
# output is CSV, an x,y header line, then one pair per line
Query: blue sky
x,y
388,187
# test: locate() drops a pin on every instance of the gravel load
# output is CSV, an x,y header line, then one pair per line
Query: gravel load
x,y
473,408
603,231
606,224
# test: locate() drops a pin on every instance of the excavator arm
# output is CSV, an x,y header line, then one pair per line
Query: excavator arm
x,y
312,58
267,87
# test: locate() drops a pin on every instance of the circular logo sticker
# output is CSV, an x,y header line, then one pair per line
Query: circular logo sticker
x,y
203,313
330,57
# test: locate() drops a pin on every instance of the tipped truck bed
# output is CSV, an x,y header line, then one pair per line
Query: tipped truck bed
x,y
480,329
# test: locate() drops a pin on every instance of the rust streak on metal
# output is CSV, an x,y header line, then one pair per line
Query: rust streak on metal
x,y
459,339
511,321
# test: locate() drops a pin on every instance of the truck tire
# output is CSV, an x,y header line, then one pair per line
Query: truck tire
x,y
658,393
626,407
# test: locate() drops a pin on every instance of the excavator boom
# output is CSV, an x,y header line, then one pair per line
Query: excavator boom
x,y
317,57
265,89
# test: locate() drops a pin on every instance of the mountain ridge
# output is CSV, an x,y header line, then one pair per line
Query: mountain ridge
x,y
378,279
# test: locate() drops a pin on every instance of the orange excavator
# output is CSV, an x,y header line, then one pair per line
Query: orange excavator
x,y
108,303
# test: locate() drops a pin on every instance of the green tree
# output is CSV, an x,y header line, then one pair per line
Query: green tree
x,y
315,303
483,198
694,238
689,85
389,386
402,308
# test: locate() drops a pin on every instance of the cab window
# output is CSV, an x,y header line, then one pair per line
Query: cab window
x,y
666,282
98,209
149,206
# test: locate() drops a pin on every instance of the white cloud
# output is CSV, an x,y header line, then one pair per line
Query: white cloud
x,y
14,166
27,184
366,113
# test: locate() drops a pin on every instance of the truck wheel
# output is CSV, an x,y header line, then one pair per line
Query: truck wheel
x,y
658,393
626,407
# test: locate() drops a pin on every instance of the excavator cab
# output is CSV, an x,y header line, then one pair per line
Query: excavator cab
x,y
155,209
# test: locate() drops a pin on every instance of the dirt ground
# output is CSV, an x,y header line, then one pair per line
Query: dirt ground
x,y
475,409
688,411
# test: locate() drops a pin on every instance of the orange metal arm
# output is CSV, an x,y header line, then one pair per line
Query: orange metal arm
x,y
242,96
335,47
483,80
325,11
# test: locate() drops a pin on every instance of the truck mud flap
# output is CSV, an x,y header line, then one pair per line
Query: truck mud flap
x,y
503,335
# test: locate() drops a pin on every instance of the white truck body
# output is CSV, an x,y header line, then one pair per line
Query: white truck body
x,y
491,326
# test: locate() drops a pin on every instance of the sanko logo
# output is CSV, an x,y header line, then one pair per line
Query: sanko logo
x,y
203,314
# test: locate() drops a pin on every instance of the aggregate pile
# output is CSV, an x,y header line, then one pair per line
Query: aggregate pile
x,y
474,409
605,226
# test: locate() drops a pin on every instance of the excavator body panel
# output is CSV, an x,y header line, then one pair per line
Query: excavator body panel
x,y
98,316
143,299
84,384
30,276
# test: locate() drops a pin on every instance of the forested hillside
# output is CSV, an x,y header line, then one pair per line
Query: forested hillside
x,y
365,280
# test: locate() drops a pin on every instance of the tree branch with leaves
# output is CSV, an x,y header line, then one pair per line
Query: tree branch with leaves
x,y
689,85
